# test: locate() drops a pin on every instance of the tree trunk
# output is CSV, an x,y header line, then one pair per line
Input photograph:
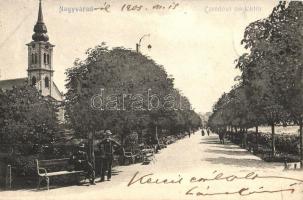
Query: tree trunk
x,y
157,138
122,138
273,145
301,145
241,137
91,148
230,132
140,136
245,137
257,138
236,134
93,151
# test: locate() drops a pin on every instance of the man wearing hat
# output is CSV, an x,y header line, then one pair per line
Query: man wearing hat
x,y
81,162
106,147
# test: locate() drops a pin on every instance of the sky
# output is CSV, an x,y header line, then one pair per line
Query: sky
x,y
197,42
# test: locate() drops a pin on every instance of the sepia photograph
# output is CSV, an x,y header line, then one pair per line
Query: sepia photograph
x,y
151,100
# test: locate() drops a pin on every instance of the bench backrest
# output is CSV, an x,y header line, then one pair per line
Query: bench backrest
x,y
53,164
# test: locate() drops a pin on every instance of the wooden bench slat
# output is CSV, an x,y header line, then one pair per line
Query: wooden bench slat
x,y
64,161
62,173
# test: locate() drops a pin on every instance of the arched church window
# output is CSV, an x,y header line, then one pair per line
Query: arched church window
x,y
44,58
48,59
34,80
46,80
36,58
33,59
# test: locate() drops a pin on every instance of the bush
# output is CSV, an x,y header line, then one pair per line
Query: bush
x,y
23,165
285,143
288,144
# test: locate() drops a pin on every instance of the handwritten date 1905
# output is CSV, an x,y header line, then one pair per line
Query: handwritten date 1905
x,y
131,7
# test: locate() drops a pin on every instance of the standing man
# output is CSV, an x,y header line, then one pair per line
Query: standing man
x,y
106,147
80,161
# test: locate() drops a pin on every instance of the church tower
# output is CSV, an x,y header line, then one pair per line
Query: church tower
x,y
40,58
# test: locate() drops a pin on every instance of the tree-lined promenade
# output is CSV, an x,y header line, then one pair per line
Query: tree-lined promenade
x,y
207,167
118,90
270,88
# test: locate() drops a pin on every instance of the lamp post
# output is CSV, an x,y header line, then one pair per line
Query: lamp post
x,y
138,45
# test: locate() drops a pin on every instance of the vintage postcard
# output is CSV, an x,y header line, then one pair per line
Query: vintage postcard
x,y
151,99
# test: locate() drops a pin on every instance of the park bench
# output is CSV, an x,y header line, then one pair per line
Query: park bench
x,y
292,165
52,168
132,154
162,143
171,139
129,156
148,155
291,162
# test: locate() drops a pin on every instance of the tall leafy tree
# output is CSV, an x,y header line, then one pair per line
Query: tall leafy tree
x,y
27,118
264,70
119,89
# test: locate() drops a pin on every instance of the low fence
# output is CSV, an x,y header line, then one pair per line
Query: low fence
x,y
5,173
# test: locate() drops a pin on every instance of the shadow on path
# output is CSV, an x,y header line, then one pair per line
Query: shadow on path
x,y
224,146
211,140
230,154
241,162
235,152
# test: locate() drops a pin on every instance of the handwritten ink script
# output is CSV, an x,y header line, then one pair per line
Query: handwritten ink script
x,y
201,186
107,8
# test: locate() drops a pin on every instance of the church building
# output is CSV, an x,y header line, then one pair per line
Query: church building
x,y
40,64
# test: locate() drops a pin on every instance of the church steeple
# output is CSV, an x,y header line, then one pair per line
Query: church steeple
x,y
40,15
40,28
40,58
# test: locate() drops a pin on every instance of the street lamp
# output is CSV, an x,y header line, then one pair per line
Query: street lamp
x,y
138,45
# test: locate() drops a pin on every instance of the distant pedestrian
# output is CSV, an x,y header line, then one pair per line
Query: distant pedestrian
x,y
106,147
221,137
202,132
208,132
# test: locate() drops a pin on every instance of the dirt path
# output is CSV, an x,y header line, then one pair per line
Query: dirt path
x,y
186,162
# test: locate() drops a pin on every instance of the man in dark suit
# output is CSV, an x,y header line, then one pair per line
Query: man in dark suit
x,y
106,147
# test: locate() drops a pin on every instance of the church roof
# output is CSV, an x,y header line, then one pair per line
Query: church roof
x,y
40,28
56,94
10,83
